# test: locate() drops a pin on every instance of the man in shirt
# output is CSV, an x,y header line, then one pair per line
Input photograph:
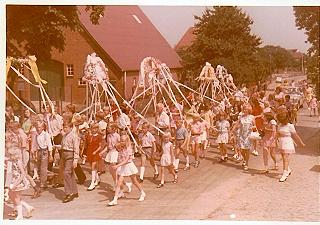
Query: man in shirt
x,y
55,122
70,147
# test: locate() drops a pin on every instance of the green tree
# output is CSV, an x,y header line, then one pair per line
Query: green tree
x,y
279,58
37,30
223,36
308,19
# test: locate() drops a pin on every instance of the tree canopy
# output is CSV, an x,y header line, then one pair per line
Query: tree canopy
x,y
37,29
308,19
223,36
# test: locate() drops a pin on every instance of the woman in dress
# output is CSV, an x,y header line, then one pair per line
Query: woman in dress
x,y
245,124
286,134
93,146
167,159
17,182
269,140
125,168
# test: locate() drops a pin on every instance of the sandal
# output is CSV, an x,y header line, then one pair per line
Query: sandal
x,y
186,168
160,185
14,213
175,180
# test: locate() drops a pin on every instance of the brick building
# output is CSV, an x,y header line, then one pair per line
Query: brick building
x,y
123,38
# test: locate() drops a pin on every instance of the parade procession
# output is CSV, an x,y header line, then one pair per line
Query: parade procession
x,y
133,146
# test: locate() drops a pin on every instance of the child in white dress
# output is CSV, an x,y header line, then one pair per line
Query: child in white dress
x,y
222,127
125,168
167,159
17,182
286,134
112,156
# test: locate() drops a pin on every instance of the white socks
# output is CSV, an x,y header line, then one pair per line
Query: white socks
x,y
25,205
93,180
35,174
176,163
129,185
97,178
93,175
19,210
156,169
142,169
187,160
142,196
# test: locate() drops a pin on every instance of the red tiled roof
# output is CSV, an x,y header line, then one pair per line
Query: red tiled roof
x,y
186,39
126,40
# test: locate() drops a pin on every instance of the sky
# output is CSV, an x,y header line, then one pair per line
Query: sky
x,y
274,24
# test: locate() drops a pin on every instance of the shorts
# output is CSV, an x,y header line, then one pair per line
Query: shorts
x,y
179,143
147,151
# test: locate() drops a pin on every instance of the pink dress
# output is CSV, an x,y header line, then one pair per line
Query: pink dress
x,y
269,140
112,140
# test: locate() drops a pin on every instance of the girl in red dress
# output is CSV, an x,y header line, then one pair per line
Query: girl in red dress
x,y
93,142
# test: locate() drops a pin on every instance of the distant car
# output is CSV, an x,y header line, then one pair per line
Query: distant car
x,y
296,95
279,80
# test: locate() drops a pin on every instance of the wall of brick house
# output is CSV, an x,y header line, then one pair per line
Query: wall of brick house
x,y
76,50
131,79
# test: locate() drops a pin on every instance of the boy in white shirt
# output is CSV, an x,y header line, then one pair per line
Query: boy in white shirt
x,y
148,148
44,153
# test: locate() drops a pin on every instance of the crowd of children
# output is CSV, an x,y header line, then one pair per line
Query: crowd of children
x,y
36,144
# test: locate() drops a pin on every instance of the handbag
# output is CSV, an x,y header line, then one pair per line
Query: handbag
x,y
254,135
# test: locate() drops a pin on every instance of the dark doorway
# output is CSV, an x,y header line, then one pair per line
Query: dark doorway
x,y
51,71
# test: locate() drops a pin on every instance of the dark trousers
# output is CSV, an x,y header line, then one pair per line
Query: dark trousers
x,y
43,157
70,185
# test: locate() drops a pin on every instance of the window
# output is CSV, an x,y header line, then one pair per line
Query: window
x,y
81,82
70,70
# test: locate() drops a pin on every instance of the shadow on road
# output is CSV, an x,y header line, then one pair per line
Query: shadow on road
x,y
311,137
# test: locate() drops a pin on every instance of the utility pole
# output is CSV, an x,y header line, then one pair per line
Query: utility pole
x,y
302,65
